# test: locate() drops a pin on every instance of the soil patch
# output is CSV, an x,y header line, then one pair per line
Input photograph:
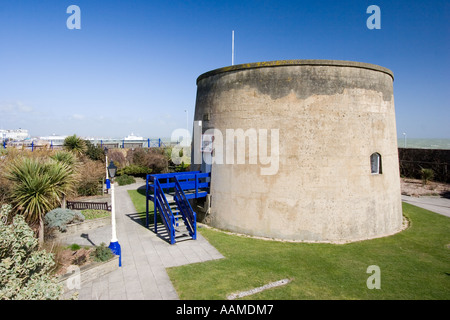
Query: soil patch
x,y
67,257
416,188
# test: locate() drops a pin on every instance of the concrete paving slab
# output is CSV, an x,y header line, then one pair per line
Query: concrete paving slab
x,y
145,256
436,204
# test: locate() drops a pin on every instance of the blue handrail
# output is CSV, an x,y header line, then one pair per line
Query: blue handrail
x,y
189,216
162,205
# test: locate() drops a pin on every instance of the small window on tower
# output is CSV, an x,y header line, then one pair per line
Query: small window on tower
x,y
375,163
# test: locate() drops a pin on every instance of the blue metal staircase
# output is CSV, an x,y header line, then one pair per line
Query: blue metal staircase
x,y
170,193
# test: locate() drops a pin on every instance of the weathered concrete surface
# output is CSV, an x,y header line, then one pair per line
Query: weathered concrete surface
x,y
331,117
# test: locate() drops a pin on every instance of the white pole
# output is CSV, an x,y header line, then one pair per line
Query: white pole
x,y
232,48
106,166
113,214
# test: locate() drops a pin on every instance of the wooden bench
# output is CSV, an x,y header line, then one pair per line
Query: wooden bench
x,y
79,205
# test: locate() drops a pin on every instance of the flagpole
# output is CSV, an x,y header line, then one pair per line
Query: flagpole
x,y
232,48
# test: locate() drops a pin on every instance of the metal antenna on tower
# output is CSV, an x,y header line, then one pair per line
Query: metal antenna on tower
x,y
232,48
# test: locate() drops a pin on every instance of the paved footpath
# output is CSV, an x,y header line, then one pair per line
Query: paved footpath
x,y
145,257
433,203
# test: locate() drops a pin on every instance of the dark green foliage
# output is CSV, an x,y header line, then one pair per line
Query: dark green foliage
x,y
182,167
60,218
102,253
75,144
413,160
125,179
135,170
74,247
94,152
427,175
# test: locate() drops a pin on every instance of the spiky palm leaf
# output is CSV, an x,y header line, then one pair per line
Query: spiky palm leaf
x,y
75,144
38,186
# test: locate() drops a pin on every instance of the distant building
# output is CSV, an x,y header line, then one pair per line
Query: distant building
x,y
54,140
14,134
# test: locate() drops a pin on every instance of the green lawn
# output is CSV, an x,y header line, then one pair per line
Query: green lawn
x,y
414,264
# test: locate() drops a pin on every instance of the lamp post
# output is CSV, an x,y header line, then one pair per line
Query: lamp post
x,y
404,139
114,244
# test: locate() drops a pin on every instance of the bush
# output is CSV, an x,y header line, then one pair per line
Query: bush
x,y
60,218
117,157
91,177
135,170
94,152
125,179
153,158
24,270
74,247
427,175
102,253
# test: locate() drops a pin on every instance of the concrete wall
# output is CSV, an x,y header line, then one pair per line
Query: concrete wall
x,y
331,116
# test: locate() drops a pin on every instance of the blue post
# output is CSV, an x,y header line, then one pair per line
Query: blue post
x,y
101,143
159,143
146,202
4,144
155,206
32,145
123,143
148,143
115,248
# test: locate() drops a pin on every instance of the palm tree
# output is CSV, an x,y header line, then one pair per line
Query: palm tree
x,y
71,161
38,186
75,144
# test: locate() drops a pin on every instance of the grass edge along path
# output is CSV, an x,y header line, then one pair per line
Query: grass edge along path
x,y
414,264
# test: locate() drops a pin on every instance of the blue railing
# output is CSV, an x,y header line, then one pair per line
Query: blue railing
x,y
188,215
183,186
162,205
195,182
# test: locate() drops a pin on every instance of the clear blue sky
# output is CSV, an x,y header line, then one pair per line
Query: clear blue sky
x,y
132,67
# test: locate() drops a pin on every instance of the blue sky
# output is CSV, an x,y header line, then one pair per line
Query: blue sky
x,y
133,65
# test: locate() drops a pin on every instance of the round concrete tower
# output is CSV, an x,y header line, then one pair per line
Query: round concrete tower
x,y
302,149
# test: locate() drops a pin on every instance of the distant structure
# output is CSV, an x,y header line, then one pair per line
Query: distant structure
x,y
15,134
54,140
338,176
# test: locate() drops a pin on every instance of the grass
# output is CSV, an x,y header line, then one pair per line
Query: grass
x,y
138,199
414,264
90,214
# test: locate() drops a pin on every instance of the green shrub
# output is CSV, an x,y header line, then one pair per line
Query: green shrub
x,y
60,218
74,247
182,167
135,170
427,175
24,270
102,253
125,179
94,152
